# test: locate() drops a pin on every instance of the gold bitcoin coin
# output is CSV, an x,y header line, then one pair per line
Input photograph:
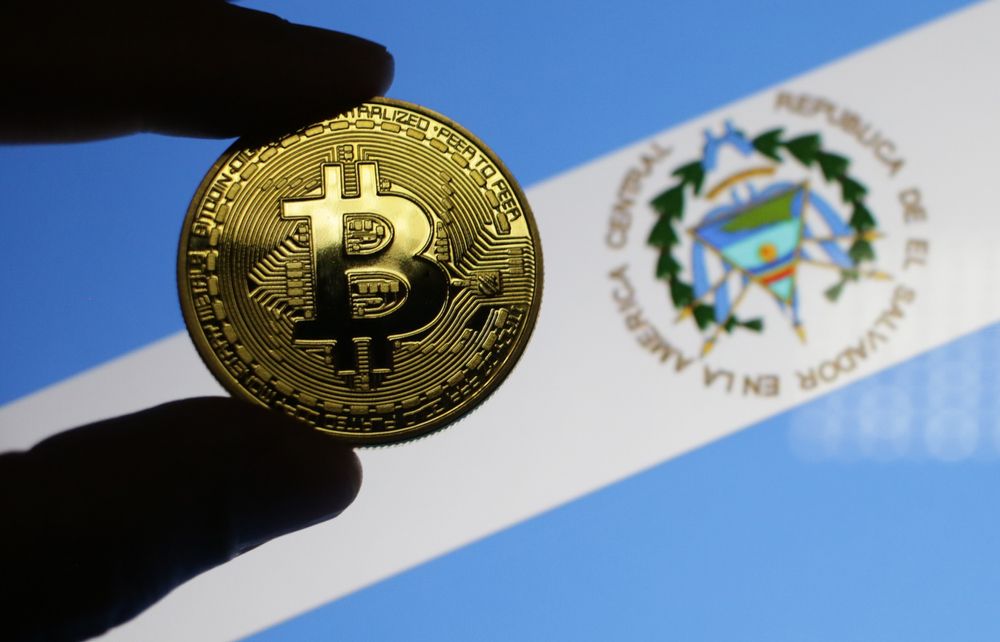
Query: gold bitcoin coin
x,y
375,275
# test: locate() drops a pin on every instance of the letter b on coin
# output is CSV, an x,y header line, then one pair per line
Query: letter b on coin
x,y
371,280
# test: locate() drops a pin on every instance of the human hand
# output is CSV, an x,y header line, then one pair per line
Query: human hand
x,y
85,70
102,521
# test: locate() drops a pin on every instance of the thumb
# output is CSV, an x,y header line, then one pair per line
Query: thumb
x,y
104,520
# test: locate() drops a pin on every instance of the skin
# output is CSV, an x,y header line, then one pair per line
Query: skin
x,y
100,522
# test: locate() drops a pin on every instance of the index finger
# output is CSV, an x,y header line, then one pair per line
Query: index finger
x,y
111,67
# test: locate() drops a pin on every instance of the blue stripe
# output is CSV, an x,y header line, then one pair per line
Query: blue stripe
x,y
745,539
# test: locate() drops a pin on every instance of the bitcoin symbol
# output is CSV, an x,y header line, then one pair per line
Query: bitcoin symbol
x,y
371,280
361,274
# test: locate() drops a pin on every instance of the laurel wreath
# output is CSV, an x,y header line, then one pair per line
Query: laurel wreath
x,y
808,150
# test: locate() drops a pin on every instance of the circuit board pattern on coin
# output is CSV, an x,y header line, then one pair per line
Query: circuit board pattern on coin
x,y
375,275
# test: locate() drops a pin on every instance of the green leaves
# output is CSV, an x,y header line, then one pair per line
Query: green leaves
x,y
754,325
832,293
681,293
663,234
851,190
670,204
704,315
861,250
768,143
667,266
861,220
692,174
805,148
834,167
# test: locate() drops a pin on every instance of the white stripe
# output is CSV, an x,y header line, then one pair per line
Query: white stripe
x,y
585,407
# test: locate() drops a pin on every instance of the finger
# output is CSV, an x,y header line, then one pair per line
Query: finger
x,y
102,521
79,71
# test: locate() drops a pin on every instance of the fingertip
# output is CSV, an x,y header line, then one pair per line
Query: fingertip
x,y
209,69
111,516
283,475
293,76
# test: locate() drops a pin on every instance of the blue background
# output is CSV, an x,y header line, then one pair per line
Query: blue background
x,y
816,525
